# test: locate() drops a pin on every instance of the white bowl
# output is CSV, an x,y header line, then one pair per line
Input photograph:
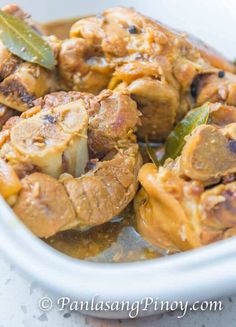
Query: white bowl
x,y
194,275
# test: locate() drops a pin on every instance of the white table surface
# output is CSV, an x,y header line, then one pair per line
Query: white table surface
x,y
19,308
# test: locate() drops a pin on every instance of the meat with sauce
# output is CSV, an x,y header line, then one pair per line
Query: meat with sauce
x,y
210,153
107,189
178,215
190,202
48,206
23,82
122,49
51,140
113,117
215,87
44,206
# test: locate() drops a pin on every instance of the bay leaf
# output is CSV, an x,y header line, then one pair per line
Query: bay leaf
x,y
21,40
176,139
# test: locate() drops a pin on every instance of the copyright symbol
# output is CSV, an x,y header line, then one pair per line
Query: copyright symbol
x,y
45,304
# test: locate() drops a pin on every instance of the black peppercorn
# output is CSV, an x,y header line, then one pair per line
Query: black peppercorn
x,y
133,29
221,74
232,146
194,86
50,119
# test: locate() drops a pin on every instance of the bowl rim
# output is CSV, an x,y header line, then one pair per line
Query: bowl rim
x,y
188,275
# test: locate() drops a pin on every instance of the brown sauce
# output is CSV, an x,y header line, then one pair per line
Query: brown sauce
x,y
59,28
115,241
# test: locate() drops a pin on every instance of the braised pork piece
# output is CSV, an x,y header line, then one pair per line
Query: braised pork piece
x,y
159,67
70,163
190,201
22,82
53,139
